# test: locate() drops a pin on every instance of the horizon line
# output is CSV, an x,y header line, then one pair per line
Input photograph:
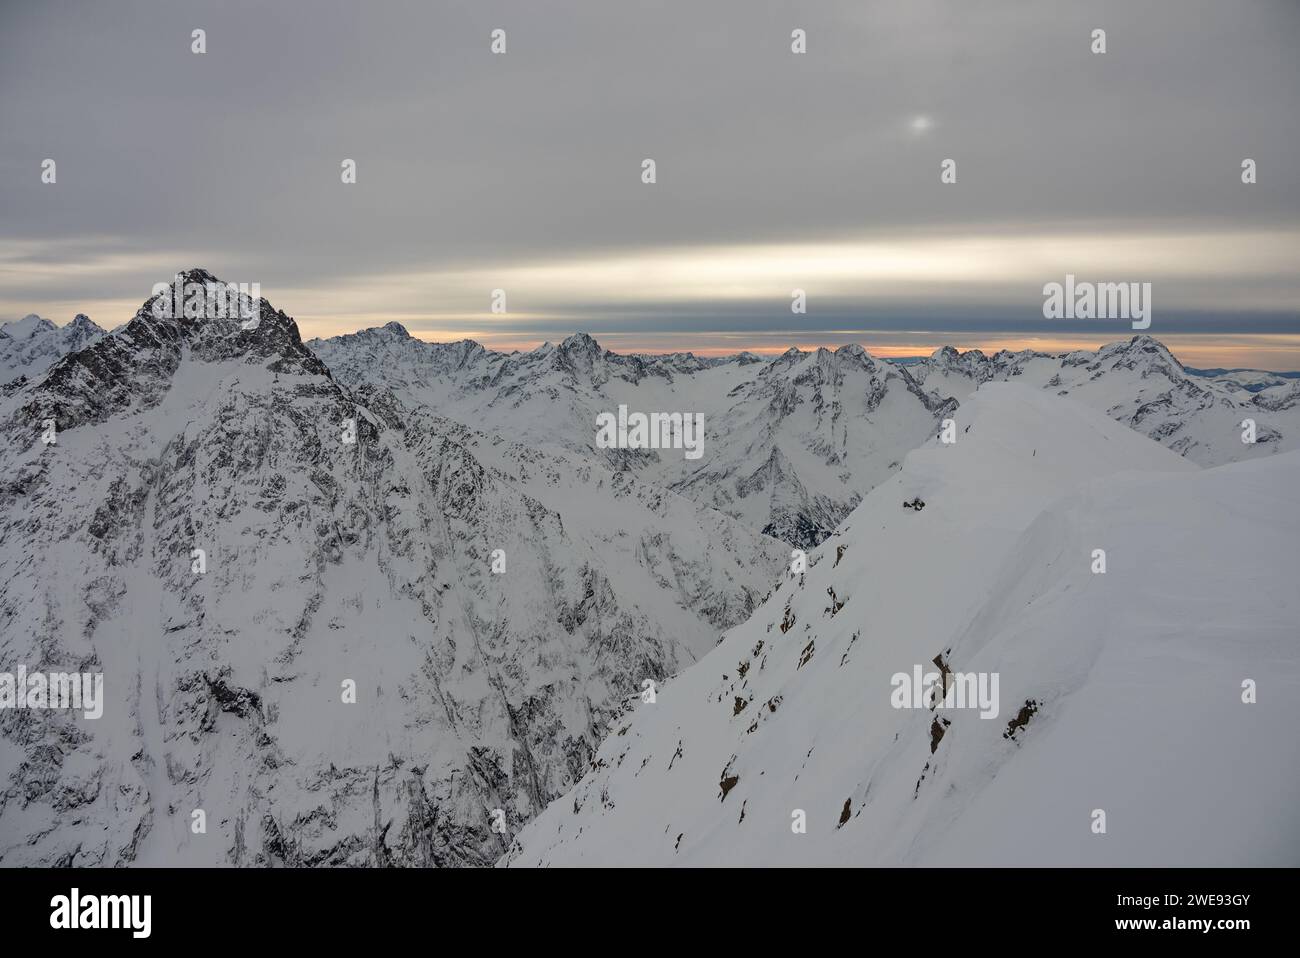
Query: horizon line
x,y
1259,351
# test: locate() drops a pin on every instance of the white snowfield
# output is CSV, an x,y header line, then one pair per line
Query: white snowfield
x,y
1120,693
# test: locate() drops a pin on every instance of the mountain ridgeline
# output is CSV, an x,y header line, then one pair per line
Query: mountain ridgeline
x,y
376,601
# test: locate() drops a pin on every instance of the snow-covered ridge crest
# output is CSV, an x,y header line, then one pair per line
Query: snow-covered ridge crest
x,y
783,747
1140,383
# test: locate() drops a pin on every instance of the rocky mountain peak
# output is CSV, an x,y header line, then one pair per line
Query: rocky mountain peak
x,y
578,353
854,353
786,360
1142,353
136,364
581,344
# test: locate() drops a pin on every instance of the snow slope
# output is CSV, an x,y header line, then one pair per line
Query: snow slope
x,y
1119,692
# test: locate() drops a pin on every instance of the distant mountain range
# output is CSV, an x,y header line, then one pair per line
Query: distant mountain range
x,y
796,441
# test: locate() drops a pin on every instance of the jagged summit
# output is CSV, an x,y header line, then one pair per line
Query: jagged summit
x,y
582,342
790,358
189,321
1145,341
580,351
953,354
197,274
853,353
1144,345
219,320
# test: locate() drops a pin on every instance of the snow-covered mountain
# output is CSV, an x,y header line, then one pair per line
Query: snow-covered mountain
x,y
1119,692
1141,384
492,603
31,345
793,443
239,529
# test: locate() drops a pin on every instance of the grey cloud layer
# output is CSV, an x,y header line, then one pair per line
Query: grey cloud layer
x,y
468,160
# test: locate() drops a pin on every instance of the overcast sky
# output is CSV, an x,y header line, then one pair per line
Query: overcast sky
x,y
522,171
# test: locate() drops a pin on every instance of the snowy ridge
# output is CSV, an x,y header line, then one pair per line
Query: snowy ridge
x,y
1141,384
1119,691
